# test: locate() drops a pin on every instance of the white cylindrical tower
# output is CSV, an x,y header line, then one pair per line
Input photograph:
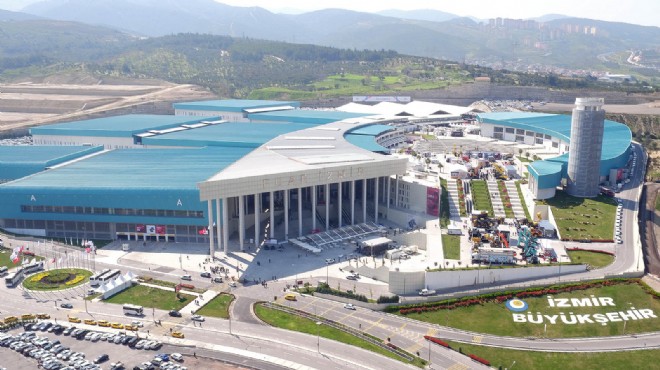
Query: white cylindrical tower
x,y
586,146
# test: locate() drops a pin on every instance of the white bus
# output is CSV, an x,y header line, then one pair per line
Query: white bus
x,y
93,279
3,270
104,277
14,278
131,309
33,267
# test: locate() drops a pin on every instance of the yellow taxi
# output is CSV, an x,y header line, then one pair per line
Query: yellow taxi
x,y
10,319
130,327
74,320
290,297
89,322
178,334
28,316
116,325
43,316
103,323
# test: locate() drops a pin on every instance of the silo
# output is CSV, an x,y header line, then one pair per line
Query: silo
x,y
585,147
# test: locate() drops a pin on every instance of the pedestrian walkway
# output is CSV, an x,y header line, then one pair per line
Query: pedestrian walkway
x,y
202,299
495,199
516,203
454,204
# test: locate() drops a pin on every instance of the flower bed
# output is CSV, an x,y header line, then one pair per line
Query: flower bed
x,y
57,279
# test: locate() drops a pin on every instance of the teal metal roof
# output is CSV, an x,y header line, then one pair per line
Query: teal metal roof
x,y
305,116
616,136
235,134
541,168
373,130
232,105
118,126
366,142
21,161
128,169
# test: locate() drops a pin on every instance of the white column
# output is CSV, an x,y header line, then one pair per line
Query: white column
x,y
353,202
241,221
313,207
396,192
286,214
272,214
300,230
210,229
364,200
376,199
218,223
339,204
257,219
225,224
327,206
389,189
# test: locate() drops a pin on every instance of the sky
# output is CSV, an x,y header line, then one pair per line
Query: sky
x,y
644,12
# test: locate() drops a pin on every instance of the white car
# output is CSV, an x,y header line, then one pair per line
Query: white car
x,y
176,357
329,260
349,306
139,324
197,318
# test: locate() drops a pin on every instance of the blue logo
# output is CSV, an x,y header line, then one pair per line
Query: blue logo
x,y
516,305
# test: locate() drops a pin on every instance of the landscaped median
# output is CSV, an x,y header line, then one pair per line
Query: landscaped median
x,y
217,307
57,279
590,309
152,297
481,197
291,319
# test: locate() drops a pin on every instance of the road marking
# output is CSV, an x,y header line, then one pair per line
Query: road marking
x,y
431,332
458,366
477,338
414,348
376,323
326,311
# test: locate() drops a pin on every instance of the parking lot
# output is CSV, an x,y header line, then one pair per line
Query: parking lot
x,y
92,348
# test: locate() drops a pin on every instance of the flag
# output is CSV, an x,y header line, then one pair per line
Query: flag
x,y
88,249
25,261
53,261
14,257
33,260
60,260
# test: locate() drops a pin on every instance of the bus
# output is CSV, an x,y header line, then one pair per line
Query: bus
x,y
135,310
105,277
14,278
94,278
3,270
33,267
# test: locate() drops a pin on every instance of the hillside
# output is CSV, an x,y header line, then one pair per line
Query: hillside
x,y
522,45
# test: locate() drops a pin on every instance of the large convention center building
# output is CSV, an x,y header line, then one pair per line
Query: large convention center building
x,y
215,171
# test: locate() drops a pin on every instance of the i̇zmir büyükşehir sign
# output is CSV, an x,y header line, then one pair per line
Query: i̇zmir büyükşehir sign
x,y
571,318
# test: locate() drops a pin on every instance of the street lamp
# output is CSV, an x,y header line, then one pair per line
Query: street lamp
x,y
318,336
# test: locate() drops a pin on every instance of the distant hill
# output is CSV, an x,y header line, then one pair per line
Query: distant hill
x,y
549,17
419,14
6,15
563,42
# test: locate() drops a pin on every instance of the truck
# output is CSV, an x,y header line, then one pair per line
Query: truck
x,y
494,255
426,292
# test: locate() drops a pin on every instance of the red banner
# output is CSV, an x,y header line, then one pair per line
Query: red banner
x,y
161,229
432,201
140,228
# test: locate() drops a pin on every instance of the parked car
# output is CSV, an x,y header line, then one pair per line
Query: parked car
x,y
66,305
349,306
175,313
217,279
205,275
102,358
197,318
177,357
186,277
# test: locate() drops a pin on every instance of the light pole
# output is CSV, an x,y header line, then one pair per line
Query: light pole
x,y
514,362
318,336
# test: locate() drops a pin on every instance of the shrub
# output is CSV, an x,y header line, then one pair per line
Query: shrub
x,y
76,280
388,299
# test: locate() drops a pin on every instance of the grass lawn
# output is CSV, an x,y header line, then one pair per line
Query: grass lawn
x,y
657,203
167,284
444,204
287,321
503,358
56,279
5,261
583,218
151,297
508,211
217,307
594,259
495,318
524,159
451,246
522,200
481,197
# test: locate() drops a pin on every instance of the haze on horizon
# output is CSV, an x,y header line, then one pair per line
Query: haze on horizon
x,y
641,12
